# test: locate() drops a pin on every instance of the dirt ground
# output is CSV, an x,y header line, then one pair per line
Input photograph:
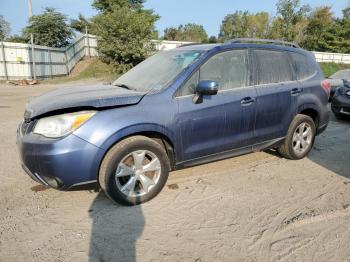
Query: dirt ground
x,y
257,207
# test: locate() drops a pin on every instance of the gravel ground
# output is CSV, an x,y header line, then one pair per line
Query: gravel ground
x,y
257,207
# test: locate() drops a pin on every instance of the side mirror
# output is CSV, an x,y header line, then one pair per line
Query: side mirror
x,y
205,88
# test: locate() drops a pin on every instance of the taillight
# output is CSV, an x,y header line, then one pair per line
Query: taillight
x,y
326,85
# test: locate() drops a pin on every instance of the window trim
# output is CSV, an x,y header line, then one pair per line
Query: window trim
x,y
294,69
250,83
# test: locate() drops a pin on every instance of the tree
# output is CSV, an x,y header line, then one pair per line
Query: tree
x,y
320,23
213,39
244,24
17,39
189,32
49,29
107,5
4,28
81,24
125,29
171,33
290,14
234,26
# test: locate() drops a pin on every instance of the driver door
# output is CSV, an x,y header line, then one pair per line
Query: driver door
x,y
221,122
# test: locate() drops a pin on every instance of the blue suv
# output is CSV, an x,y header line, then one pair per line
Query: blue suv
x,y
179,108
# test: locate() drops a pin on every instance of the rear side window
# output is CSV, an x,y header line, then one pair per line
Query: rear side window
x,y
301,66
272,67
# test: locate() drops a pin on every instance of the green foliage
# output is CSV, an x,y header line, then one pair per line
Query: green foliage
x,y
320,23
330,68
124,32
189,32
81,24
107,5
212,40
17,39
244,24
49,29
290,15
4,28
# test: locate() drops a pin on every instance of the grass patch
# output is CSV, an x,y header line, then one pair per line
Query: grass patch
x,y
94,69
330,68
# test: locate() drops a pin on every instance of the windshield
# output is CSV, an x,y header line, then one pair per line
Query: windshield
x,y
342,74
157,71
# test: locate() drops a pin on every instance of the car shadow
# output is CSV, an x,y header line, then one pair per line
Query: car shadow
x,y
115,230
332,148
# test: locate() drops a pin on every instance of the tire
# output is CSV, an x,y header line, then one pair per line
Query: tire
x,y
290,148
123,174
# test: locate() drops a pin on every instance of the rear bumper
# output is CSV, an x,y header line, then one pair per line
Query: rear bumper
x,y
61,164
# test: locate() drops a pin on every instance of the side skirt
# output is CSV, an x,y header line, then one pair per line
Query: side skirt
x,y
231,153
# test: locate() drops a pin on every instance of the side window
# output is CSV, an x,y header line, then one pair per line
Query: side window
x,y
272,67
229,69
190,86
301,66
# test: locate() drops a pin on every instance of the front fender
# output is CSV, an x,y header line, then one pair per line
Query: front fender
x,y
137,129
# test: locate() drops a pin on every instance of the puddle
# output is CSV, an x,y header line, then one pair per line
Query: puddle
x,y
173,186
39,188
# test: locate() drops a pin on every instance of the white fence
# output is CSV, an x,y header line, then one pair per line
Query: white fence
x,y
162,45
16,60
332,57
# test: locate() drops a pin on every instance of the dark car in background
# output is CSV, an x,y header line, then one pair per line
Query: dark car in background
x,y
337,80
179,108
341,101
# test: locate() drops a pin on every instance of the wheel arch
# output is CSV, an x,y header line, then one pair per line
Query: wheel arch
x,y
311,111
159,134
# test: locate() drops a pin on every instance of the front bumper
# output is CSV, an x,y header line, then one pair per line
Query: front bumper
x,y
59,163
341,104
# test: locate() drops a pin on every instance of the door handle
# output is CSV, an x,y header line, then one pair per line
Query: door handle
x,y
247,101
296,91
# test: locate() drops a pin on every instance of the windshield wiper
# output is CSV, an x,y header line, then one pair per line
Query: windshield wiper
x,y
126,87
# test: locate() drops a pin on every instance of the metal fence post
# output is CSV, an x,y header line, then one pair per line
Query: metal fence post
x,y
87,39
4,60
67,62
33,56
50,62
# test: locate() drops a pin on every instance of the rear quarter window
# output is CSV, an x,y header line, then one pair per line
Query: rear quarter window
x,y
301,65
272,67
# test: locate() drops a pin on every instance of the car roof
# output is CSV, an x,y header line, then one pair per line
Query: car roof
x,y
208,47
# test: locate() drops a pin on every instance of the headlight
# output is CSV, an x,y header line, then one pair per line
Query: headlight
x,y
61,125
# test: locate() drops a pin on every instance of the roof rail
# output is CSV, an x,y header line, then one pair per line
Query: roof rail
x,y
257,40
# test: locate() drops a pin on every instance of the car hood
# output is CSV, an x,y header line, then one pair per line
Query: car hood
x,y
81,97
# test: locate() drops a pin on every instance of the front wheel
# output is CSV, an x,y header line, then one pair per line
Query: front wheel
x,y
134,171
300,138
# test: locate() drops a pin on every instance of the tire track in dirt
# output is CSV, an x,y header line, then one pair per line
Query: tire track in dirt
x,y
278,222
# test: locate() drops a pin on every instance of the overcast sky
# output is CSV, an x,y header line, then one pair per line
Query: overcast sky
x,y
209,13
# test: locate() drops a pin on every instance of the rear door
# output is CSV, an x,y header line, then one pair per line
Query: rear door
x,y
221,122
276,88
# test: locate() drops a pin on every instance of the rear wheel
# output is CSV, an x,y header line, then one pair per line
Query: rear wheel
x,y
300,138
134,171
